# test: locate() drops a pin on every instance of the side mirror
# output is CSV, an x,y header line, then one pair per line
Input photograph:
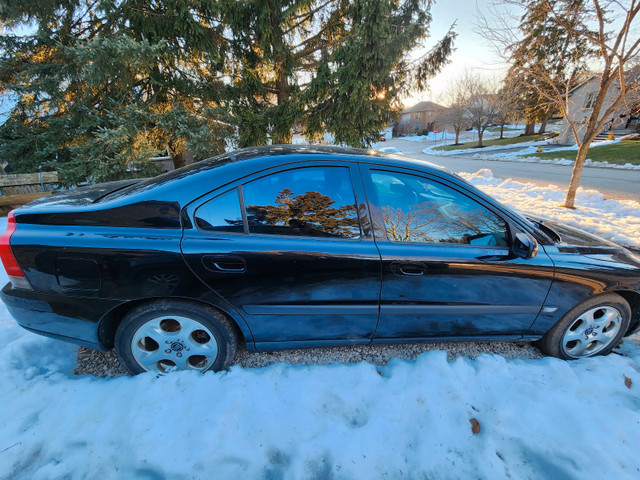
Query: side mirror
x,y
524,246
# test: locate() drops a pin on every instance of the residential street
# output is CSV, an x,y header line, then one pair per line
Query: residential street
x,y
613,183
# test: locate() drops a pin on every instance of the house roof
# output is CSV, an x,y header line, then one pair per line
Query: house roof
x,y
629,74
423,107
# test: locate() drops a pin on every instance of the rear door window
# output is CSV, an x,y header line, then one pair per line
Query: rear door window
x,y
309,201
221,214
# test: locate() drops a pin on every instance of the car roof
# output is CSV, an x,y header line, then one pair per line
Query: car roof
x,y
333,151
254,159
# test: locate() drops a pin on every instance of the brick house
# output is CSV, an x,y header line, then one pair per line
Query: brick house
x,y
422,116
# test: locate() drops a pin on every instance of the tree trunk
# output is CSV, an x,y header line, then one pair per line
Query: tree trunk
x,y
285,133
457,136
480,133
501,131
530,129
179,160
575,175
543,125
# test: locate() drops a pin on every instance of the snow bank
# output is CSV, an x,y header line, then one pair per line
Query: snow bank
x,y
564,161
433,150
539,418
431,137
387,149
616,220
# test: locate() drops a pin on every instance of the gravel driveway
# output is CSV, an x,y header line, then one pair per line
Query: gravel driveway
x,y
106,364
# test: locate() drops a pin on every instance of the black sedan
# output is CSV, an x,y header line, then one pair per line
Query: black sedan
x,y
286,247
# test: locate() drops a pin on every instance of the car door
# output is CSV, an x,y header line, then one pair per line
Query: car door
x,y
293,252
447,266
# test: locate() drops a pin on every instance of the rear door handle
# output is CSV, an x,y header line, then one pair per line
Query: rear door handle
x,y
409,269
224,263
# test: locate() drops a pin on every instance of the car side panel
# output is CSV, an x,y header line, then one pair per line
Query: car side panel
x,y
82,273
581,274
456,289
294,289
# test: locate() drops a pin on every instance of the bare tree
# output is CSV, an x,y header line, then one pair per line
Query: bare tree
x,y
456,98
481,107
506,103
601,35
472,103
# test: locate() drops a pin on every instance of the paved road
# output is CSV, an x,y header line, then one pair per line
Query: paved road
x,y
613,183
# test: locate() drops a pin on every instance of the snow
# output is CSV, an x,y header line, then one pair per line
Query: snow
x,y
516,157
432,136
386,149
616,220
493,148
544,418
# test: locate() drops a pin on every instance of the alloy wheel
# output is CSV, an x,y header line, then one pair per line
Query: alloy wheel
x,y
167,343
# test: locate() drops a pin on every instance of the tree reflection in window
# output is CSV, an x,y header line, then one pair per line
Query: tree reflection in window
x,y
415,210
327,208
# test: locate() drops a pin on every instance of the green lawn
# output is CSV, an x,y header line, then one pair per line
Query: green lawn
x,y
627,151
489,143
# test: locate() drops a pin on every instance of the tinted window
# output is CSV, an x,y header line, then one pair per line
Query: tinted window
x,y
416,210
313,202
221,214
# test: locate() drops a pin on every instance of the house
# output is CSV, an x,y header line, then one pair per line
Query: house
x,y
581,100
422,116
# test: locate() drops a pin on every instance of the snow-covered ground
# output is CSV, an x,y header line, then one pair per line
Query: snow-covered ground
x,y
487,152
431,137
616,220
434,139
543,418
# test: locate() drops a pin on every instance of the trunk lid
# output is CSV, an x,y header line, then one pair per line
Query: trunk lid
x,y
79,196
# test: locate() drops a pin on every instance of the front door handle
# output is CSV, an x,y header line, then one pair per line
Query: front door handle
x,y
224,263
409,269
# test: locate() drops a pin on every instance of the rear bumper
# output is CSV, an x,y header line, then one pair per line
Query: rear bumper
x,y
42,315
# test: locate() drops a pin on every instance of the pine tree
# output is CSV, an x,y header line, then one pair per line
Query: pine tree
x,y
103,86
546,49
331,65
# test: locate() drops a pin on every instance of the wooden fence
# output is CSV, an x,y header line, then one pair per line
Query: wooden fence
x,y
19,188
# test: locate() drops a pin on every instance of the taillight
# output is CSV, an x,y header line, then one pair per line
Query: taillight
x,y
16,275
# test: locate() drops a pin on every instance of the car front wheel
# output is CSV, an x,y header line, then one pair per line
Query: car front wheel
x,y
594,327
174,335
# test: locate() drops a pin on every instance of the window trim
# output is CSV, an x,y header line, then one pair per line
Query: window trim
x,y
243,210
378,217
352,169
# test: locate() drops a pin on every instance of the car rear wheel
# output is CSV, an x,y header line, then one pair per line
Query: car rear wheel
x,y
594,327
174,335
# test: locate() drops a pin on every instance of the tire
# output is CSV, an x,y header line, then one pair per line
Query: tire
x,y
593,327
173,335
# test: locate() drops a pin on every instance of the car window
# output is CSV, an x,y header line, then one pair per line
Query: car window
x,y
310,201
221,214
418,210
